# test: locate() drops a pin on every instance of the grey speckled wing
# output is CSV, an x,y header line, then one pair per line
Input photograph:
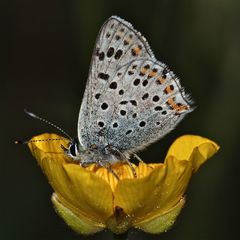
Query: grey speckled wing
x,y
131,99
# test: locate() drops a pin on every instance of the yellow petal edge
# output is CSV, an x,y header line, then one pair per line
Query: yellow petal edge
x,y
80,224
163,222
193,148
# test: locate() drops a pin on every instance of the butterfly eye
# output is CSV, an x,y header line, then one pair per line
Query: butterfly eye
x,y
72,149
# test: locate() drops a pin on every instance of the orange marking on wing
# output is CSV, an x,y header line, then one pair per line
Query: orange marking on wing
x,y
143,70
137,50
169,89
127,41
120,33
177,106
152,74
171,102
182,107
161,80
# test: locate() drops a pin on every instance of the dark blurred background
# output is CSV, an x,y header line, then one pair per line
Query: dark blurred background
x,y
47,47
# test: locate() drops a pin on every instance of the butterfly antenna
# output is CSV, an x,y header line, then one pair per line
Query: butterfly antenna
x,y
37,140
48,122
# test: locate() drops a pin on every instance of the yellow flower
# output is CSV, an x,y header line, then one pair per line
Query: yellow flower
x,y
91,199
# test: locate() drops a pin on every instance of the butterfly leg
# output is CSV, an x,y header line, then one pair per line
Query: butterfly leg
x,y
137,158
131,166
101,163
121,156
108,167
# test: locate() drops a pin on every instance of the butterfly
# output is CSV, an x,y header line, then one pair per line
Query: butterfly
x,y
131,99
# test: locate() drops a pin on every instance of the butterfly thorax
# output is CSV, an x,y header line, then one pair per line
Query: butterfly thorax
x,y
94,154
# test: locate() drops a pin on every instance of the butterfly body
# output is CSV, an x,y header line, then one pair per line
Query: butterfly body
x,y
131,99
102,156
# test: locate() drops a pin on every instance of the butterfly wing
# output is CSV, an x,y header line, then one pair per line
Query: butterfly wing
x,y
113,48
131,99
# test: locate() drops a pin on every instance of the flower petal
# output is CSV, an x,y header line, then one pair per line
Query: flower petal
x,y
156,193
163,222
89,194
193,148
79,223
162,189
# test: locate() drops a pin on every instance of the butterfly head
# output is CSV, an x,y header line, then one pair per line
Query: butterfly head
x,y
73,150
79,154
